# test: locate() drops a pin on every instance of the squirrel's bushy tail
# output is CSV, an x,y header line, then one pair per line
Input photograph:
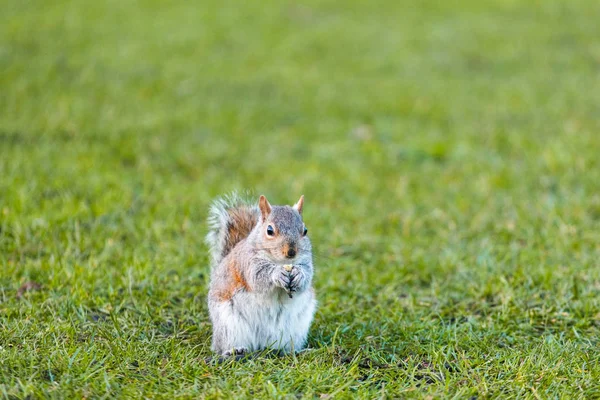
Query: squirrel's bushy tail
x,y
230,220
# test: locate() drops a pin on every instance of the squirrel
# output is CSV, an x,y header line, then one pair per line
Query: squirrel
x,y
260,294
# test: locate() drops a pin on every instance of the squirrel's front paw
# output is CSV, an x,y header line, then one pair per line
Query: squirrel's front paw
x,y
290,279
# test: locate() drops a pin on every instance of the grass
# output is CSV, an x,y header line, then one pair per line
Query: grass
x,y
448,152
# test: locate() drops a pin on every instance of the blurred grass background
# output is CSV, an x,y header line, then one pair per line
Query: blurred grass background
x,y
448,152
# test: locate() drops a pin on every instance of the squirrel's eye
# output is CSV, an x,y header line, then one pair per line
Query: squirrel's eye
x,y
305,232
270,230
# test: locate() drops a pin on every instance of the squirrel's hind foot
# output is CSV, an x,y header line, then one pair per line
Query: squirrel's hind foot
x,y
236,351
235,354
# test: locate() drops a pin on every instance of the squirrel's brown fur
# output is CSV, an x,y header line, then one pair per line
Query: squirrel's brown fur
x,y
241,221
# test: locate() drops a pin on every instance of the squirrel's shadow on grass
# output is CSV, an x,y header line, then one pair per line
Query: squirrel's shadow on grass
x,y
245,356
268,354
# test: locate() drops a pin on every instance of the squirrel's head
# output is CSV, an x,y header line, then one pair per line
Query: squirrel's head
x,y
282,231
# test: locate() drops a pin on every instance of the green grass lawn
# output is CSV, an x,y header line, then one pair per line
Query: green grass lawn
x,y
448,152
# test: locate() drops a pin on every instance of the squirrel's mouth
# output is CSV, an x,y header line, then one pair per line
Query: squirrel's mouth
x,y
281,260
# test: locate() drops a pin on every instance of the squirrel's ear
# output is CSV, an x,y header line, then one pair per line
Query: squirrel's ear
x,y
298,206
265,207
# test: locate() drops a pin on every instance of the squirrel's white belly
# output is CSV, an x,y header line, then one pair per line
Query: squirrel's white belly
x,y
255,321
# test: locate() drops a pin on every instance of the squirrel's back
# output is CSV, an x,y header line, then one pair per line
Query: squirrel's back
x,y
231,218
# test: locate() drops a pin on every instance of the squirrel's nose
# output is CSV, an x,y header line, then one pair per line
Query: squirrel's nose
x,y
291,253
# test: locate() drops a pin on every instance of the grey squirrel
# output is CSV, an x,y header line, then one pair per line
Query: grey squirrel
x,y
260,294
